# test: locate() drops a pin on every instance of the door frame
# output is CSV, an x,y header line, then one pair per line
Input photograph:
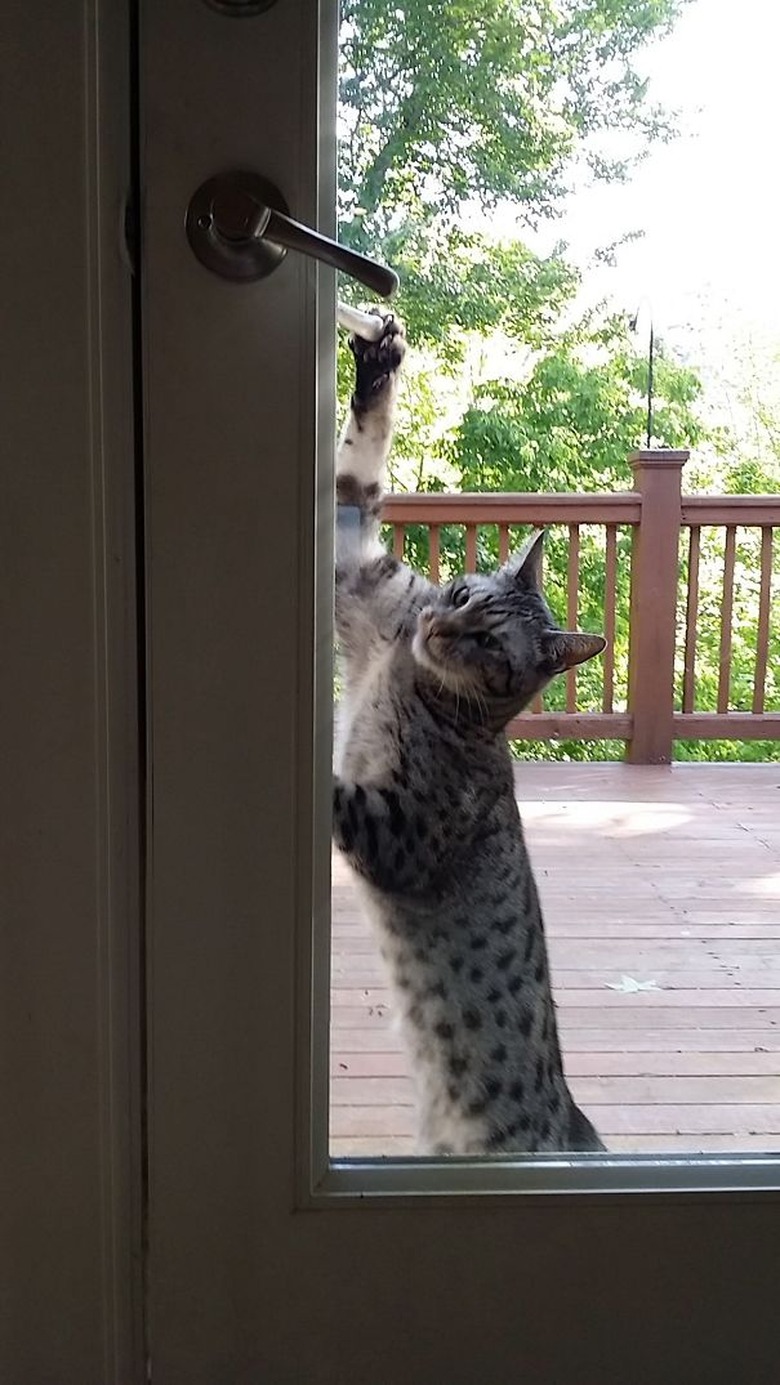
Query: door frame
x,y
71,1160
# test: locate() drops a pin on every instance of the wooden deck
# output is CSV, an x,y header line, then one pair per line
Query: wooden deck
x,y
661,894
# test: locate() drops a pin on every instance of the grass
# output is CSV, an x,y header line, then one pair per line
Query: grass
x,y
721,752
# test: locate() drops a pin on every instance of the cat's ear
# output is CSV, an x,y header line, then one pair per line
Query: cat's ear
x,y
525,566
562,649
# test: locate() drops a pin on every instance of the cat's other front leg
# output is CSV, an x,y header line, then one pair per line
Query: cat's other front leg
x,y
368,432
360,465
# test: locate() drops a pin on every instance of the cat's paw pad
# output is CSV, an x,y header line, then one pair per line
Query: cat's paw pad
x,y
378,362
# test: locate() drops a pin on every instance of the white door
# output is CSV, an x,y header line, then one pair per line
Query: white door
x,y
263,1263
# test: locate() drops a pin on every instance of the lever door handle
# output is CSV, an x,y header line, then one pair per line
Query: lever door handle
x,y
238,226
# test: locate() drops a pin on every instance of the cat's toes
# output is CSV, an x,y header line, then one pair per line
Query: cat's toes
x,y
377,362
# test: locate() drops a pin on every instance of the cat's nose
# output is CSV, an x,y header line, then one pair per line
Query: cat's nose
x,y
429,623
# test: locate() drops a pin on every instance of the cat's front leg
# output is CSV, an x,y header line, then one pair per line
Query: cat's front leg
x,y
368,431
372,827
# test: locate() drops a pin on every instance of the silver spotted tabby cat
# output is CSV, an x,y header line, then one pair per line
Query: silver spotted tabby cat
x,y
424,806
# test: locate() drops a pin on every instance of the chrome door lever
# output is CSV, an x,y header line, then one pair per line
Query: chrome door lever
x,y
238,226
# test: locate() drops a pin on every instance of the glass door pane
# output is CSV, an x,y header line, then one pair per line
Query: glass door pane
x,y
659,886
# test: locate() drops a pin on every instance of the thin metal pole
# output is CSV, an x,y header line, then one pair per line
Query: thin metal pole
x,y
650,387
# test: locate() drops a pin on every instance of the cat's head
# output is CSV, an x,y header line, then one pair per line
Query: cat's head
x,y
491,641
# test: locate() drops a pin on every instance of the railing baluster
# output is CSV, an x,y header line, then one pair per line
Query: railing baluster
x,y
503,542
471,547
762,633
724,676
537,704
399,533
572,607
691,619
610,593
434,552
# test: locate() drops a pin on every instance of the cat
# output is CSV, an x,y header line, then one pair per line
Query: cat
x,y
424,807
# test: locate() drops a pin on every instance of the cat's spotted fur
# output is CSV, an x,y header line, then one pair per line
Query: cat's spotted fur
x,y
424,807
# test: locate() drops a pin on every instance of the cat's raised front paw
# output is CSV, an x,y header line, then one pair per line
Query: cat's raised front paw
x,y
377,362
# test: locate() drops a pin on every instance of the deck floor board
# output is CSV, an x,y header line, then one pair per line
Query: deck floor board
x,y
669,876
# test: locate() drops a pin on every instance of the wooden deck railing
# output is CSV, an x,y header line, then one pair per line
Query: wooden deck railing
x,y
655,548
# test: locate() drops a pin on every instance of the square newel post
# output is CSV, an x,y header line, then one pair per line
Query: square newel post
x,y
654,577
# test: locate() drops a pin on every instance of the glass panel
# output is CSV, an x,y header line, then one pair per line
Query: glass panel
x,y
523,405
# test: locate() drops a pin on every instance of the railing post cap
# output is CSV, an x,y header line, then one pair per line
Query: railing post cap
x,y
658,457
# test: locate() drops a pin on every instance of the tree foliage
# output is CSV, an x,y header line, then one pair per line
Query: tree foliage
x,y
484,100
450,110
447,111
457,281
574,420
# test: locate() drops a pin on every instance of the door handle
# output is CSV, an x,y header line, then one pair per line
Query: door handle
x,y
238,226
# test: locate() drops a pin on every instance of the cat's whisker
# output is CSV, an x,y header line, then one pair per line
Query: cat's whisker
x,y
481,705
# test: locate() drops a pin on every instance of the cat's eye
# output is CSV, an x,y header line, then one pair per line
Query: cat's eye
x,y
485,640
460,595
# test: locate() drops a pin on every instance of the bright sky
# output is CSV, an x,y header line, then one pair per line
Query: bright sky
x,y
708,202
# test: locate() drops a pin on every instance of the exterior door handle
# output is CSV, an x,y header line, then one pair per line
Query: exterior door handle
x,y
238,226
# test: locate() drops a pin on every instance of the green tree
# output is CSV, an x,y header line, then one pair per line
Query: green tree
x,y
572,422
446,110
451,110
485,100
